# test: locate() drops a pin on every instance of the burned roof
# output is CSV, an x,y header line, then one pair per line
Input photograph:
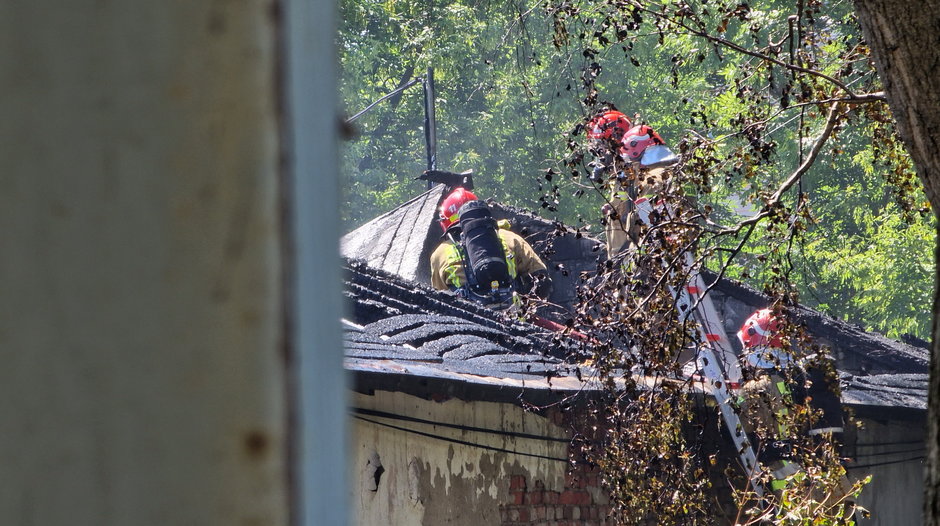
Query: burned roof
x,y
398,241
859,351
402,335
890,392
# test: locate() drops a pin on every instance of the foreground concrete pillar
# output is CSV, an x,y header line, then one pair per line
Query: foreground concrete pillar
x,y
149,333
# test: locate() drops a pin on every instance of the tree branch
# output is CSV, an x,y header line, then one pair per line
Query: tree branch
x,y
831,121
745,51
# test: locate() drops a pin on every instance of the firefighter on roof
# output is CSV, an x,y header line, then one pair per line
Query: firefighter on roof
x,y
779,381
480,258
632,161
767,360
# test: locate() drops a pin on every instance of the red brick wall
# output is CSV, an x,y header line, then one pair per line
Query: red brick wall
x,y
532,504
581,502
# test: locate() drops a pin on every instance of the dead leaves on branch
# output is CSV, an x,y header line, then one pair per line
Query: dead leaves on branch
x,y
652,452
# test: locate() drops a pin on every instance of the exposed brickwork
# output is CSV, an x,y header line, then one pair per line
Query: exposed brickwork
x,y
535,505
582,499
580,502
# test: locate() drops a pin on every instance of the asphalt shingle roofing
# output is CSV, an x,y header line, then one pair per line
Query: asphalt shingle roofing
x,y
402,335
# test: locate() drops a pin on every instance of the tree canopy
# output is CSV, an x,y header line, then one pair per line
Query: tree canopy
x,y
514,80
793,177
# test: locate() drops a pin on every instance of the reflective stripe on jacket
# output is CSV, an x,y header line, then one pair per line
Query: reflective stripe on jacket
x,y
447,272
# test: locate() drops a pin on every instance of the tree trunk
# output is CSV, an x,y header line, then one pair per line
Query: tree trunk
x,y
903,37
932,475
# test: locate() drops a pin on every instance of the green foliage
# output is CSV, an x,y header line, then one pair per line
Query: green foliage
x,y
499,106
747,126
864,253
878,276
792,172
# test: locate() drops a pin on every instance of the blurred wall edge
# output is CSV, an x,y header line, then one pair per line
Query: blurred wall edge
x,y
169,284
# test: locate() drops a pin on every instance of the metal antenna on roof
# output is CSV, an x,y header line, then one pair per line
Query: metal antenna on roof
x,y
430,119
385,97
430,122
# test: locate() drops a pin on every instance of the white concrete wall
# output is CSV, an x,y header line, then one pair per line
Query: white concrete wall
x,y
429,481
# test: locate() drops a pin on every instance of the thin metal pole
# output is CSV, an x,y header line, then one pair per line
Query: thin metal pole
x,y
430,122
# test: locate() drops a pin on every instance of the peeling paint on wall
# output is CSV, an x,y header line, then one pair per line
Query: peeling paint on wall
x,y
437,474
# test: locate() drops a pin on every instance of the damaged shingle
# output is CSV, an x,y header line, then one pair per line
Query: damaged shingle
x,y
410,323
464,347
887,390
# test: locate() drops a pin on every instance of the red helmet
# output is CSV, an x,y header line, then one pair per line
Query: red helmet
x,y
451,206
761,329
636,140
608,125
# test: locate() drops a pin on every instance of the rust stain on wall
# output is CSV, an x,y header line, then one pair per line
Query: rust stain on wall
x,y
256,444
